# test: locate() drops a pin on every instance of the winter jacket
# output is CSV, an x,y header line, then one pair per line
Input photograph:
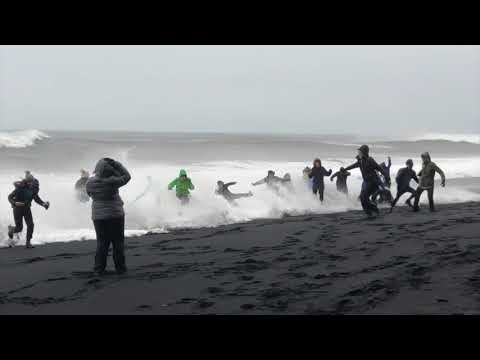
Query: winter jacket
x,y
103,187
404,176
317,174
427,174
368,167
182,187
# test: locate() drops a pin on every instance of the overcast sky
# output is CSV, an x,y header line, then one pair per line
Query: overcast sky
x,y
298,89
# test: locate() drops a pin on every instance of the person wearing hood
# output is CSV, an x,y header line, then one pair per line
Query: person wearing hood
x,y
271,180
108,214
341,183
34,185
427,175
403,178
21,201
371,181
182,185
317,174
222,190
80,186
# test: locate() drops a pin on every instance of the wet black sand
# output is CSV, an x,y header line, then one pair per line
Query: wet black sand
x,y
403,263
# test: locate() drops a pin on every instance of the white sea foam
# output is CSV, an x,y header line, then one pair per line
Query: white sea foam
x,y
21,139
159,210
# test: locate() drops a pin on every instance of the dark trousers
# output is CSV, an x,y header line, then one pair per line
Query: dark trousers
x,y
20,213
368,188
320,188
430,198
342,189
110,231
401,191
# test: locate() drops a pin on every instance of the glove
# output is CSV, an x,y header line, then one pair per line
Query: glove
x,y
47,205
443,183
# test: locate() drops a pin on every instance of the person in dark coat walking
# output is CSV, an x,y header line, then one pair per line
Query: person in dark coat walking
x,y
107,212
371,181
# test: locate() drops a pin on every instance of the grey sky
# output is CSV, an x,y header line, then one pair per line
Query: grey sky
x,y
300,89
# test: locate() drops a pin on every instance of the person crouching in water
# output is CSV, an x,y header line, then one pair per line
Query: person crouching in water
x,y
222,190
182,185
368,167
107,213
341,183
403,178
427,175
80,186
21,201
317,174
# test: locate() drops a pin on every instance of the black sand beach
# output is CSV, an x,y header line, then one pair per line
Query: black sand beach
x,y
400,263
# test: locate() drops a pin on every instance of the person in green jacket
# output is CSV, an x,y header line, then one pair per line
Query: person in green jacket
x,y
182,185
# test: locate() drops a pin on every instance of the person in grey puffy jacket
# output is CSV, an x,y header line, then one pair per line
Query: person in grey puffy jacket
x,y
107,212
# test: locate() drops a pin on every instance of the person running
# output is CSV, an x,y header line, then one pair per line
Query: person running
x,y
34,185
222,190
80,186
108,215
182,185
341,183
403,178
317,174
384,188
271,180
368,167
427,175
21,201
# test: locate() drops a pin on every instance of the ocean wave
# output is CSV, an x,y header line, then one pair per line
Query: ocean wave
x,y
21,138
471,138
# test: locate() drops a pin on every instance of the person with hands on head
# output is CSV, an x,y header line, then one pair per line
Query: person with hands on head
x,y
108,215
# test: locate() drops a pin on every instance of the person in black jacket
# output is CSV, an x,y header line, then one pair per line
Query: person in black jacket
x,y
341,176
403,178
368,167
21,201
317,174
384,189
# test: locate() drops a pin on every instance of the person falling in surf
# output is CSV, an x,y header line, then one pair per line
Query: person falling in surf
x,y
403,178
222,190
317,174
306,178
271,181
182,185
341,183
427,175
368,167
